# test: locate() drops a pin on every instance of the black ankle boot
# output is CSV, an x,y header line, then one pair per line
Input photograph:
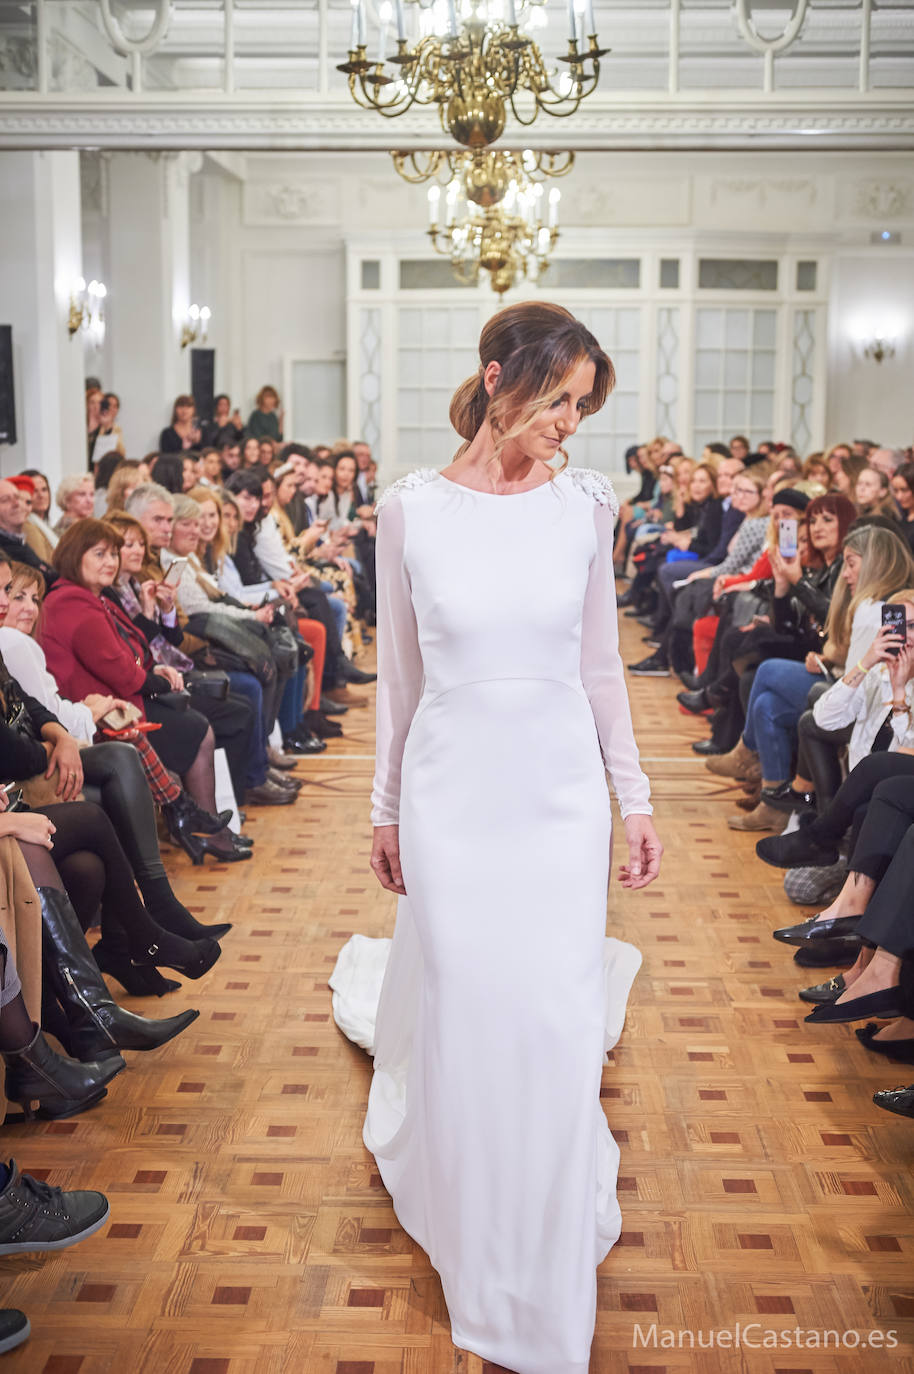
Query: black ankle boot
x,y
145,981
61,1087
183,815
167,912
98,1026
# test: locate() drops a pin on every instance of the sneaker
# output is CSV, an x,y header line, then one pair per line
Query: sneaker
x,y
14,1328
34,1216
655,666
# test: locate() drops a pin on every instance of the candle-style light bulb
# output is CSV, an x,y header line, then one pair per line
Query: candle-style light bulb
x,y
572,21
555,196
384,15
354,30
401,22
591,23
434,196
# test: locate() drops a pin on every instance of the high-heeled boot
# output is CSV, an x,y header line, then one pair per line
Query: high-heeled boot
x,y
98,1026
184,819
60,1086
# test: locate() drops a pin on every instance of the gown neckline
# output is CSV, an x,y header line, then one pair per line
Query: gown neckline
x,y
499,495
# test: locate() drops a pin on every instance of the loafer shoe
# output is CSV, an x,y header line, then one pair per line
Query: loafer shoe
x,y
784,798
824,992
900,1050
887,1003
814,929
827,954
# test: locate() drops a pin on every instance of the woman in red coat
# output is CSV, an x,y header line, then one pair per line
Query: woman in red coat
x,y
92,646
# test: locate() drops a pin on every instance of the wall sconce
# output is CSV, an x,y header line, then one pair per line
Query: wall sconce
x,y
196,324
879,348
86,309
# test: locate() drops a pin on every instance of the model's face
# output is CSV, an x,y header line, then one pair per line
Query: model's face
x,y
345,473
700,487
157,520
902,493
99,567
81,502
133,552
549,428
850,569
24,605
209,521
250,456
823,532
185,536
868,488
248,505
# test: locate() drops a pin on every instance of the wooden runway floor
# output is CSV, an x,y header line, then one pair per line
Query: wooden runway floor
x,y
249,1230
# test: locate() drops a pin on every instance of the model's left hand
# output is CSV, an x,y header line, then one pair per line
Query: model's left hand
x,y
644,852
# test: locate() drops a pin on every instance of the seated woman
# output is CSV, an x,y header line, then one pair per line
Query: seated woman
x,y
874,906
902,491
222,577
265,785
127,776
130,474
39,535
91,645
76,498
341,507
875,564
250,453
873,495
643,460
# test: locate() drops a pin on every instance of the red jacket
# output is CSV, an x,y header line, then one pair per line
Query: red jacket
x,y
91,645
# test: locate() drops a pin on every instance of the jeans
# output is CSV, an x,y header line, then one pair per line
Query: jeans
x,y
293,702
246,685
337,606
777,701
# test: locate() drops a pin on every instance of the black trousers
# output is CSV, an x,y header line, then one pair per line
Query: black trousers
x,y
313,602
848,809
889,919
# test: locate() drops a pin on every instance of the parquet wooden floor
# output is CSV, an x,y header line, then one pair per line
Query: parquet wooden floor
x,y
249,1231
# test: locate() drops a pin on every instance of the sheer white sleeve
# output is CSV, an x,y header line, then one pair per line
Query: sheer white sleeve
x,y
400,673
603,677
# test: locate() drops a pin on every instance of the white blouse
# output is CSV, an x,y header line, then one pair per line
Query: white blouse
x,y
24,657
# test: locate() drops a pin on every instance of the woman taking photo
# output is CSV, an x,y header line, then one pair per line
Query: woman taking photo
x,y
510,1189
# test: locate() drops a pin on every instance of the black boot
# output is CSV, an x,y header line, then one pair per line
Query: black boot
x,y
140,980
184,816
61,1087
98,1026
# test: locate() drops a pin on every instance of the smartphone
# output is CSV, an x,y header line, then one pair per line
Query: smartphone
x,y
173,576
823,669
895,616
787,539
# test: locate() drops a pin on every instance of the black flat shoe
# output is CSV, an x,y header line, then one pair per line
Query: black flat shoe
x,y
824,992
897,1100
328,707
706,747
900,1050
190,958
799,849
827,954
887,1003
784,798
691,681
814,929
696,703
353,674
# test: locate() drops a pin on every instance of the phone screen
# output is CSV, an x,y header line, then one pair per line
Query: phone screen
x,y
787,538
895,616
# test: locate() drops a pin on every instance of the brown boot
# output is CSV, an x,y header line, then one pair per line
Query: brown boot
x,y
764,817
741,763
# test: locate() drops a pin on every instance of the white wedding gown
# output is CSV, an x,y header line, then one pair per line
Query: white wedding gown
x,y
500,696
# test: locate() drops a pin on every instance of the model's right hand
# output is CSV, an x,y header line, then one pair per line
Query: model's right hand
x,y
385,858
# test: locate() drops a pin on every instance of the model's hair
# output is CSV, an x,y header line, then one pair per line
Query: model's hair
x,y
76,542
832,503
886,566
538,346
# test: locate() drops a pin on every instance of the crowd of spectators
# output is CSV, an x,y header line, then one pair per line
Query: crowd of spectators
x,y
160,617
780,591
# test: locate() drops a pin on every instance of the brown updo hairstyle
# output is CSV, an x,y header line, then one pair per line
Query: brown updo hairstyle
x,y
538,345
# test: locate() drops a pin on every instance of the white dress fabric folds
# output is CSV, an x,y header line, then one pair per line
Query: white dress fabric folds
x,y
501,702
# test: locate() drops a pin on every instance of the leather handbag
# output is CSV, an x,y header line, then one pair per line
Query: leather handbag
x,y
207,682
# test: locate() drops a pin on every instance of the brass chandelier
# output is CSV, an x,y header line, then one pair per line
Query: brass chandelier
x,y
496,216
475,65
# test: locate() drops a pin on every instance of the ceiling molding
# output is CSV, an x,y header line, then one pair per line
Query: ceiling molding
x,y
685,121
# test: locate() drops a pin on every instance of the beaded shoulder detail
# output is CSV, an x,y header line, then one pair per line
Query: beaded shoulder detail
x,y
417,478
596,485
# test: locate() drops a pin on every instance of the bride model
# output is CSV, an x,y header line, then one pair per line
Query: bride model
x,y
501,702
